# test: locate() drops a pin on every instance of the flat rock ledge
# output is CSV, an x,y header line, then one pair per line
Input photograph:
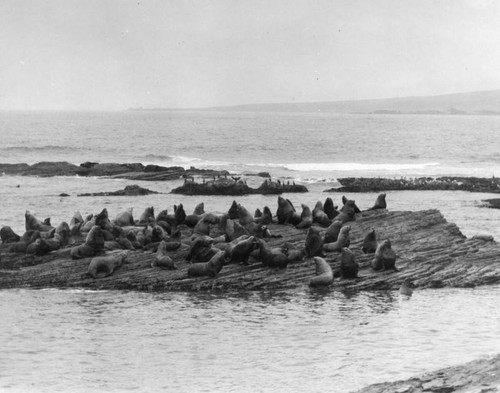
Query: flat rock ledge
x,y
364,184
432,252
478,376
131,190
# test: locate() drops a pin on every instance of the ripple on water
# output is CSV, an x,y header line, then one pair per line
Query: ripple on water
x,y
295,341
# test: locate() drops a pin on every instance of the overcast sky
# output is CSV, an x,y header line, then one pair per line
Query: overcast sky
x,y
110,54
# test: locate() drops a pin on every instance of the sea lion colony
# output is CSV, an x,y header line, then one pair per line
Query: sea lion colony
x,y
211,241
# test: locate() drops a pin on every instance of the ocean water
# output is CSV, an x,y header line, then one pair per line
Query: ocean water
x,y
293,341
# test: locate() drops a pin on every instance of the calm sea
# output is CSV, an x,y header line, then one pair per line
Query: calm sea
x,y
293,341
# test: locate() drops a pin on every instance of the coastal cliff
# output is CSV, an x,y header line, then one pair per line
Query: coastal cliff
x,y
432,252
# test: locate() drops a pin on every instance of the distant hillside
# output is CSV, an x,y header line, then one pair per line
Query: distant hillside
x,y
481,102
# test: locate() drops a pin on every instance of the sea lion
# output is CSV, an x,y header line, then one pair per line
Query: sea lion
x,y
348,212
257,213
313,243
88,223
343,240
192,219
233,211
370,243
240,252
351,203
202,227
330,209
31,222
147,216
324,273
244,216
332,232
179,214
348,266
319,215
385,257
484,237
75,223
306,217
286,212
266,218
380,203
210,268
94,244
8,235
201,250
272,257
125,218
292,252
162,260
406,288
29,237
104,266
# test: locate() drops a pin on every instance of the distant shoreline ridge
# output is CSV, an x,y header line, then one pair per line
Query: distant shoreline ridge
x,y
486,103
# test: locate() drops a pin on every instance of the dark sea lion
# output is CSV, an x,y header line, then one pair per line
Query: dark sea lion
x,y
313,243
348,266
147,216
266,218
104,266
240,252
244,216
102,219
332,232
343,240
330,209
202,227
8,235
348,212
31,222
292,252
319,215
192,219
201,250
370,243
125,218
380,203
162,260
88,223
233,211
286,212
233,230
324,273
257,213
75,223
306,217
210,268
179,214
272,257
385,257
94,244
351,203
29,237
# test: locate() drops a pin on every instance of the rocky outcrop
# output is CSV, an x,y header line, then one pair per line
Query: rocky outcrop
x,y
430,251
472,184
481,376
132,190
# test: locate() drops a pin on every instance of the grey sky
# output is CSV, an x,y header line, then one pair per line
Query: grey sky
x,y
110,54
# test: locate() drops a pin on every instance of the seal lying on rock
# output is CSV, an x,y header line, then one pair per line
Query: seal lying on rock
x,y
272,257
105,265
385,257
210,268
324,273
201,250
240,252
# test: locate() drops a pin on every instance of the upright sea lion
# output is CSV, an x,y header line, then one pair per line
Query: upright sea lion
x,y
266,218
272,257
379,203
88,223
330,209
385,257
324,273
233,211
192,219
8,235
351,203
332,232
244,216
306,217
257,213
286,212
104,266
210,268
201,250
348,212
202,227
94,244
370,243
147,216
162,260
343,240
313,243
125,218
75,223
31,222
348,266
320,216
240,252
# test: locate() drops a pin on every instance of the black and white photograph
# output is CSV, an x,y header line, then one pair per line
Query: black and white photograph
x,y
249,196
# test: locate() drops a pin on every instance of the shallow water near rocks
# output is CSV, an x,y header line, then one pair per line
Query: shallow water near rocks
x,y
294,341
